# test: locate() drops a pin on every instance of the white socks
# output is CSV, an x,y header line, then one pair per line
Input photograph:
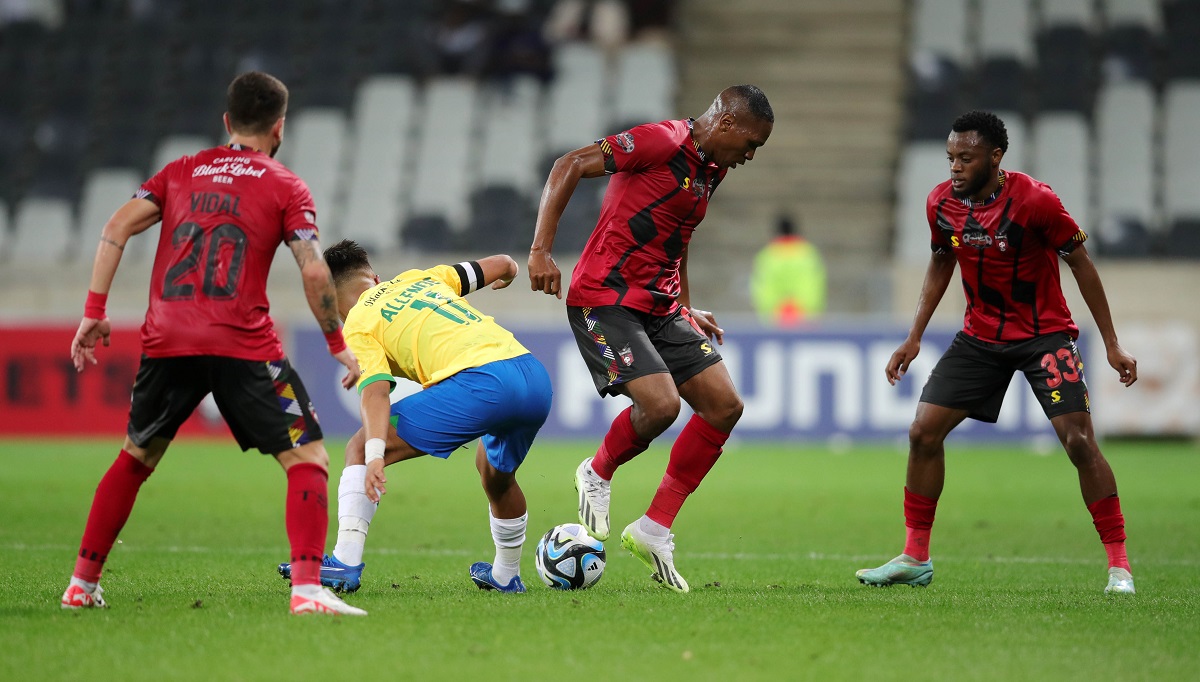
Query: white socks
x,y
355,511
308,591
87,587
509,535
652,527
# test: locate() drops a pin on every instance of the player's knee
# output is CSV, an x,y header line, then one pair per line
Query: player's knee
x,y
921,438
659,411
1080,447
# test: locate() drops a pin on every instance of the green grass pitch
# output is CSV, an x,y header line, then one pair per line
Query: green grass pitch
x,y
769,544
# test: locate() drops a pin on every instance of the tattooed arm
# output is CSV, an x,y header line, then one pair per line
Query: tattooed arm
x,y
134,216
322,300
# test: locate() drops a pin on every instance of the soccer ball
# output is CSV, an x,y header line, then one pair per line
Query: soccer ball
x,y
567,558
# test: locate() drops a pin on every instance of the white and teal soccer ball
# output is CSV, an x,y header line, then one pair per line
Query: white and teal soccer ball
x,y
567,558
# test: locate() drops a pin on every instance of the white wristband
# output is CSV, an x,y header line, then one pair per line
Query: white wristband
x,y
375,448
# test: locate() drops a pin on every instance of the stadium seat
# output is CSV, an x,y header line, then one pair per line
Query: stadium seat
x,y
502,221
316,144
1133,13
935,97
1060,147
1181,173
1006,31
1018,154
939,28
1182,28
44,233
104,190
384,111
644,87
577,98
1065,69
580,217
922,167
1125,115
1129,53
1073,13
444,149
511,145
428,234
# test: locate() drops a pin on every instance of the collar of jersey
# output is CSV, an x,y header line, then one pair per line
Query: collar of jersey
x,y
987,200
241,148
691,124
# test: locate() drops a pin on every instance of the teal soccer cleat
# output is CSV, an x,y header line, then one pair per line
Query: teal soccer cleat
x,y
903,570
1119,582
334,574
481,575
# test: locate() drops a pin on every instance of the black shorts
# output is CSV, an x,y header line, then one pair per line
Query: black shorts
x,y
264,403
974,375
620,344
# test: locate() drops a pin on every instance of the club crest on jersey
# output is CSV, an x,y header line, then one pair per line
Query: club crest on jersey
x,y
625,142
626,355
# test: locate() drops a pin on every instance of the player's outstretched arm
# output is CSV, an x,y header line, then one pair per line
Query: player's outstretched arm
x,y
1088,279
498,270
134,217
585,162
322,300
937,278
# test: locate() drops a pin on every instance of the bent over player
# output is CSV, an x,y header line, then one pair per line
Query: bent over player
x,y
479,382
1006,231
207,330
630,309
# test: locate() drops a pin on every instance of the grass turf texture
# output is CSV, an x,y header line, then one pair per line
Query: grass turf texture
x,y
769,544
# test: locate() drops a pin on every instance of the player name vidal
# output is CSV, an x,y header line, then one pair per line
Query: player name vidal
x,y
238,169
215,202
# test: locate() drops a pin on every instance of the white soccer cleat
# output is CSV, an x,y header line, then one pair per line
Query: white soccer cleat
x,y
657,553
1119,582
323,601
76,597
594,495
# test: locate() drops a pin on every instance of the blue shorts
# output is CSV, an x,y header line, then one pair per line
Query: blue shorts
x,y
505,402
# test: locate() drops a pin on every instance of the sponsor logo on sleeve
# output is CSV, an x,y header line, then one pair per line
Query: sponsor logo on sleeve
x,y
625,141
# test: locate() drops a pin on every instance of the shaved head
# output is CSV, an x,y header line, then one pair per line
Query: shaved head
x,y
743,101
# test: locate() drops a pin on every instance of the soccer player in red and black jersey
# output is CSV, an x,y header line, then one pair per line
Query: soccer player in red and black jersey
x,y
1006,231
629,307
224,212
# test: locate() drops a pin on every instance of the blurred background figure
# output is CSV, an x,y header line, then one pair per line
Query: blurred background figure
x,y
787,280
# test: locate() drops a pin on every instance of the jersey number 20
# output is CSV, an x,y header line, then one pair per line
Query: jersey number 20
x,y
224,239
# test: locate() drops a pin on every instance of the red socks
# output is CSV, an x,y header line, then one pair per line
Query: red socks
x,y
620,445
918,523
307,520
695,452
1110,524
110,510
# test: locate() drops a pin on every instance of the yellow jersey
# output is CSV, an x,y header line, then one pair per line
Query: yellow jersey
x,y
418,326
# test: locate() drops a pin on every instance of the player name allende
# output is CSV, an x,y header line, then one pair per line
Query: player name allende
x,y
233,168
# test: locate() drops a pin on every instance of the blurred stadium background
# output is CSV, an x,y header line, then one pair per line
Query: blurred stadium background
x,y
426,128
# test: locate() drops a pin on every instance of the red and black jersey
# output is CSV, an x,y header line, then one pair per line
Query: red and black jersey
x,y
659,191
1007,249
225,211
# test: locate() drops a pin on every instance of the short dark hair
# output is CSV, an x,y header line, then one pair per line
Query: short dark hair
x,y
346,258
756,102
255,101
989,126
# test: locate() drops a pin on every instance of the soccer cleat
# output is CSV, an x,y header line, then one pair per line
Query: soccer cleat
x,y
594,495
334,574
903,570
656,553
78,598
1119,582
481,575
324,601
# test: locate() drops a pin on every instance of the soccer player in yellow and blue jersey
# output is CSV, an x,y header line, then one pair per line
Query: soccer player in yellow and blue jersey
x,y
478,380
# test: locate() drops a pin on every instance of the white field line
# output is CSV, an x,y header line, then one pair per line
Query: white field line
x,y
702,556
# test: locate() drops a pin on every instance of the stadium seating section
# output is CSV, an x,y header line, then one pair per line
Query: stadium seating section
x,y
402,145
1100,98
409,144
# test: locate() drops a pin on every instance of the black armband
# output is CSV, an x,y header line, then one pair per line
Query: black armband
x,y
471,276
